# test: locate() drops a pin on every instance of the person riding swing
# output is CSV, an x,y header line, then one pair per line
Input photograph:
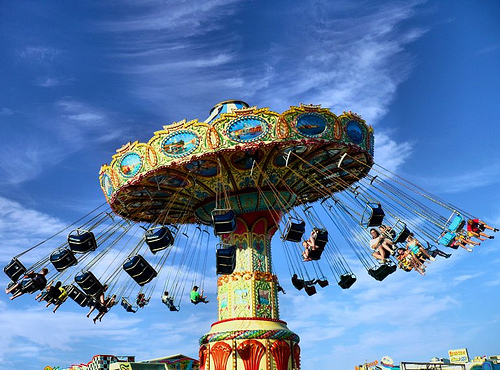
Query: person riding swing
x,y
196,297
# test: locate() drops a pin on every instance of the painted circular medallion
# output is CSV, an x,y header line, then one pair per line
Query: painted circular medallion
x,y
246,129
355,132
180,143
107,185
130,164
310,124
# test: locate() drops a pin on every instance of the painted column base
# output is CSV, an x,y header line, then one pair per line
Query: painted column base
x,y
250,344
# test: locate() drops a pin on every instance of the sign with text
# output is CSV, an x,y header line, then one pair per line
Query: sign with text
x,y
458,356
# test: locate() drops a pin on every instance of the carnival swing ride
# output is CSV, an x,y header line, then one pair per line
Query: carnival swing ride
x,y
246,173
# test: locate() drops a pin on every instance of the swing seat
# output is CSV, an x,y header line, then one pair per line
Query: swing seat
x,y
381,272
447,239
323,283
310,290
89,283
82,241
226,260
159,238
224,221
62,259
78,296
128,306
320,237
346,280
30,287
315,254
140,270
373,215
294,231
402,233
15,269
457,223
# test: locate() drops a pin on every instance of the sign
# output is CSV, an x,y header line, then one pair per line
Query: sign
x,y
458,356
366,366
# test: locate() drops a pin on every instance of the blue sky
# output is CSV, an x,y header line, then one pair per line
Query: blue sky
x,y
80,79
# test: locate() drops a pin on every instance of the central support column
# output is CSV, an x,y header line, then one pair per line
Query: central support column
x,y
249,334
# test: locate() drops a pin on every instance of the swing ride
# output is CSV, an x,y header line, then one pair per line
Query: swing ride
x,y
246,173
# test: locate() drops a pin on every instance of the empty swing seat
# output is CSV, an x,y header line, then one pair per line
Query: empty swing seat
x,y
78,296
457,223
82,242
373,215
140,270
224,221
401,234
346,280
15,269
62,259
381,272
323,282
159,238
310,289
226,260
89,283
294,231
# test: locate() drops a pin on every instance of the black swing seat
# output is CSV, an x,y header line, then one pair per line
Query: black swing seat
x,y
128,306
346,280
62,259
78,296
226,260
224,221
14,269
320,237
30,286
323,282
159,238
82,241
294,231
310,289
89,283
315,254
139,269
402,233
373,215
381,272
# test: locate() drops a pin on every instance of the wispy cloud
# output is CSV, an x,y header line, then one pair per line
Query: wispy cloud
x,y
53,81
6,112
39,53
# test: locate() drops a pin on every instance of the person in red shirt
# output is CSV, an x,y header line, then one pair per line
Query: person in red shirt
x,y
476,227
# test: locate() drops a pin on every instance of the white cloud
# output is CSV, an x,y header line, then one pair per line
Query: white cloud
x,y
6,112
39,53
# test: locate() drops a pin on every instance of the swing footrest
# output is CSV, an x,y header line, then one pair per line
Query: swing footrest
x,y
294,231
140,270
381,272
346,281
14,270
315,254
